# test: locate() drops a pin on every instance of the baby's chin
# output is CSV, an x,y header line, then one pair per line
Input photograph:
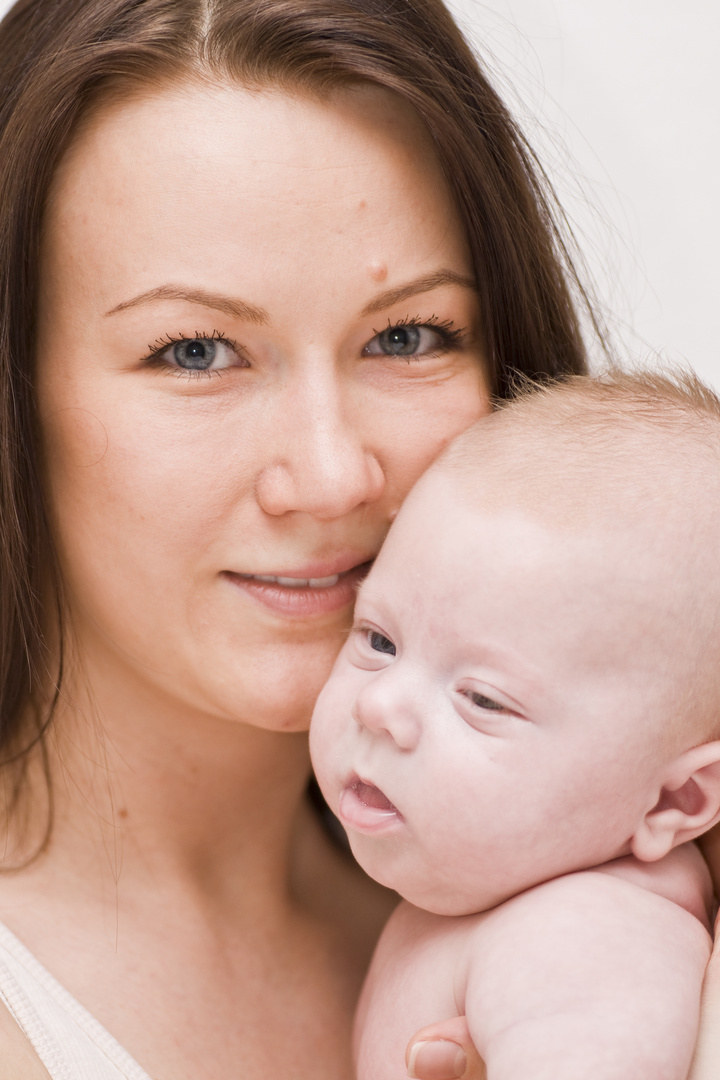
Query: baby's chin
x,y
422,887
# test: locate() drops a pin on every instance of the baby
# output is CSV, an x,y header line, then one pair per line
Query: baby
x,y
521,736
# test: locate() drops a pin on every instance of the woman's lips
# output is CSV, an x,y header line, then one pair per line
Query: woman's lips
x,y
304,593
364,807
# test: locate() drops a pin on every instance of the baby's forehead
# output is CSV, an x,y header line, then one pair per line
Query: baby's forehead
x,y
652,543
639,489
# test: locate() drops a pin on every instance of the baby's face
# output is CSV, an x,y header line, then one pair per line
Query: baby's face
x,y
496,717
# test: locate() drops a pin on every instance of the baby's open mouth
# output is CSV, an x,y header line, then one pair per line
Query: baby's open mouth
x,y
365,808
373,797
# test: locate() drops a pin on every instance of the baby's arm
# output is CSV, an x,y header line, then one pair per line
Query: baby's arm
x,y
591,975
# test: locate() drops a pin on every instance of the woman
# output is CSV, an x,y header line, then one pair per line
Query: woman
x,y
261,260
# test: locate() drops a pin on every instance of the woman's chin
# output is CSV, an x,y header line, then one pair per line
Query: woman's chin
x,y
278,692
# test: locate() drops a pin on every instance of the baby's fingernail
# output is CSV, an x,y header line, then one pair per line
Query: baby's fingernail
x,y
436,1059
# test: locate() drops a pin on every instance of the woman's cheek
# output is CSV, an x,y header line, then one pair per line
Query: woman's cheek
x,y
76,438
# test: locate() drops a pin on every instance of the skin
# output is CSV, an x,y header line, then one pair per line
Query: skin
x,y
475,688
707,1051
503,714
192,883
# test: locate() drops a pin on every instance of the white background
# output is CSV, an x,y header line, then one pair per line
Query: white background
x,y
622,98
627,96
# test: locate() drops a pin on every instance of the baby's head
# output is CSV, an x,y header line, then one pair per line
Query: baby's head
x,y
532,684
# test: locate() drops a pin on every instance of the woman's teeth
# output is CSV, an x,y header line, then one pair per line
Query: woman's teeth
x,y
296,583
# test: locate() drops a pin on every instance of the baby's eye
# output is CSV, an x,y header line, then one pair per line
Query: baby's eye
x,y
198,354
380,643
483,702
409,339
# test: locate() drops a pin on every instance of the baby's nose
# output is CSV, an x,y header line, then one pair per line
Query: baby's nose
x,y
385,707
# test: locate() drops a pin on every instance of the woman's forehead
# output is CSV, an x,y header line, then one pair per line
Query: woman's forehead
x,y
236,185
209,128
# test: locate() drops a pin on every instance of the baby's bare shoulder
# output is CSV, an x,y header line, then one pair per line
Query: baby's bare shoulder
x,y
624,889
417,976
604,924
416,937
609,942
682,877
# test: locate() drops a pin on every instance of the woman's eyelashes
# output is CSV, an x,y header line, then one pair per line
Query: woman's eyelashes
x,y
209,354
413,337
202,354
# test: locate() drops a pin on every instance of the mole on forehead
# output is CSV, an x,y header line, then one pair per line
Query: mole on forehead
x,y
378,270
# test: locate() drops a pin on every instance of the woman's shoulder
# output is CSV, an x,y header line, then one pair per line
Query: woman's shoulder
x,y
17,1056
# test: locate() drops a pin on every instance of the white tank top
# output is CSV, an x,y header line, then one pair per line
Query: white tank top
x,y
71,1044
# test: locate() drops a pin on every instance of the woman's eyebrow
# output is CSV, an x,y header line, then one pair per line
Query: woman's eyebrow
x,y
240,309
412,288
237,309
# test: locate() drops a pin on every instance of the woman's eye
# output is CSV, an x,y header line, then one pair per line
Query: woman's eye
x,y
199,354
483,702
406,340
380,643
195,355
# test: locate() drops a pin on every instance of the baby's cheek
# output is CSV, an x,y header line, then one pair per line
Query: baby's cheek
x,y
329,736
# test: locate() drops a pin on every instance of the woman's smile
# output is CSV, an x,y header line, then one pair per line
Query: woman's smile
x,y
304,593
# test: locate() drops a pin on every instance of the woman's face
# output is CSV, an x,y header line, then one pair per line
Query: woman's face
x,y
257,328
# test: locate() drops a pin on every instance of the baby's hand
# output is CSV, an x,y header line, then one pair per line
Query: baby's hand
x,y
445,1051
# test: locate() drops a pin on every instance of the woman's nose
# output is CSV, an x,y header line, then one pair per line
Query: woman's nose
x,y
322,465
385,706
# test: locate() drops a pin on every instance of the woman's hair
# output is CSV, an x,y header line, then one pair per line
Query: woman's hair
x,y
60,58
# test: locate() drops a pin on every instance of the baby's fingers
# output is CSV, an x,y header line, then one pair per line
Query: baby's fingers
x,y
444,1051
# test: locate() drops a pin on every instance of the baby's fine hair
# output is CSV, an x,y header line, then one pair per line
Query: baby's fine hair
x,y
642,435
674,397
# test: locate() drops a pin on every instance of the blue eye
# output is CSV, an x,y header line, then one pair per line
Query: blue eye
x,y
414,339
195,355
400,340
380,643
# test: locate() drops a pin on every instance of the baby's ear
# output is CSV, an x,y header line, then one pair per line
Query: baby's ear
x,y
689,804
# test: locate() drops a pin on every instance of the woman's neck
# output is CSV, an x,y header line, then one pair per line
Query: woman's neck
x,y
187,882
146,792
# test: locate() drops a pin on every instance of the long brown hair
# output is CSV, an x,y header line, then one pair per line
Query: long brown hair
x,y
58,57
